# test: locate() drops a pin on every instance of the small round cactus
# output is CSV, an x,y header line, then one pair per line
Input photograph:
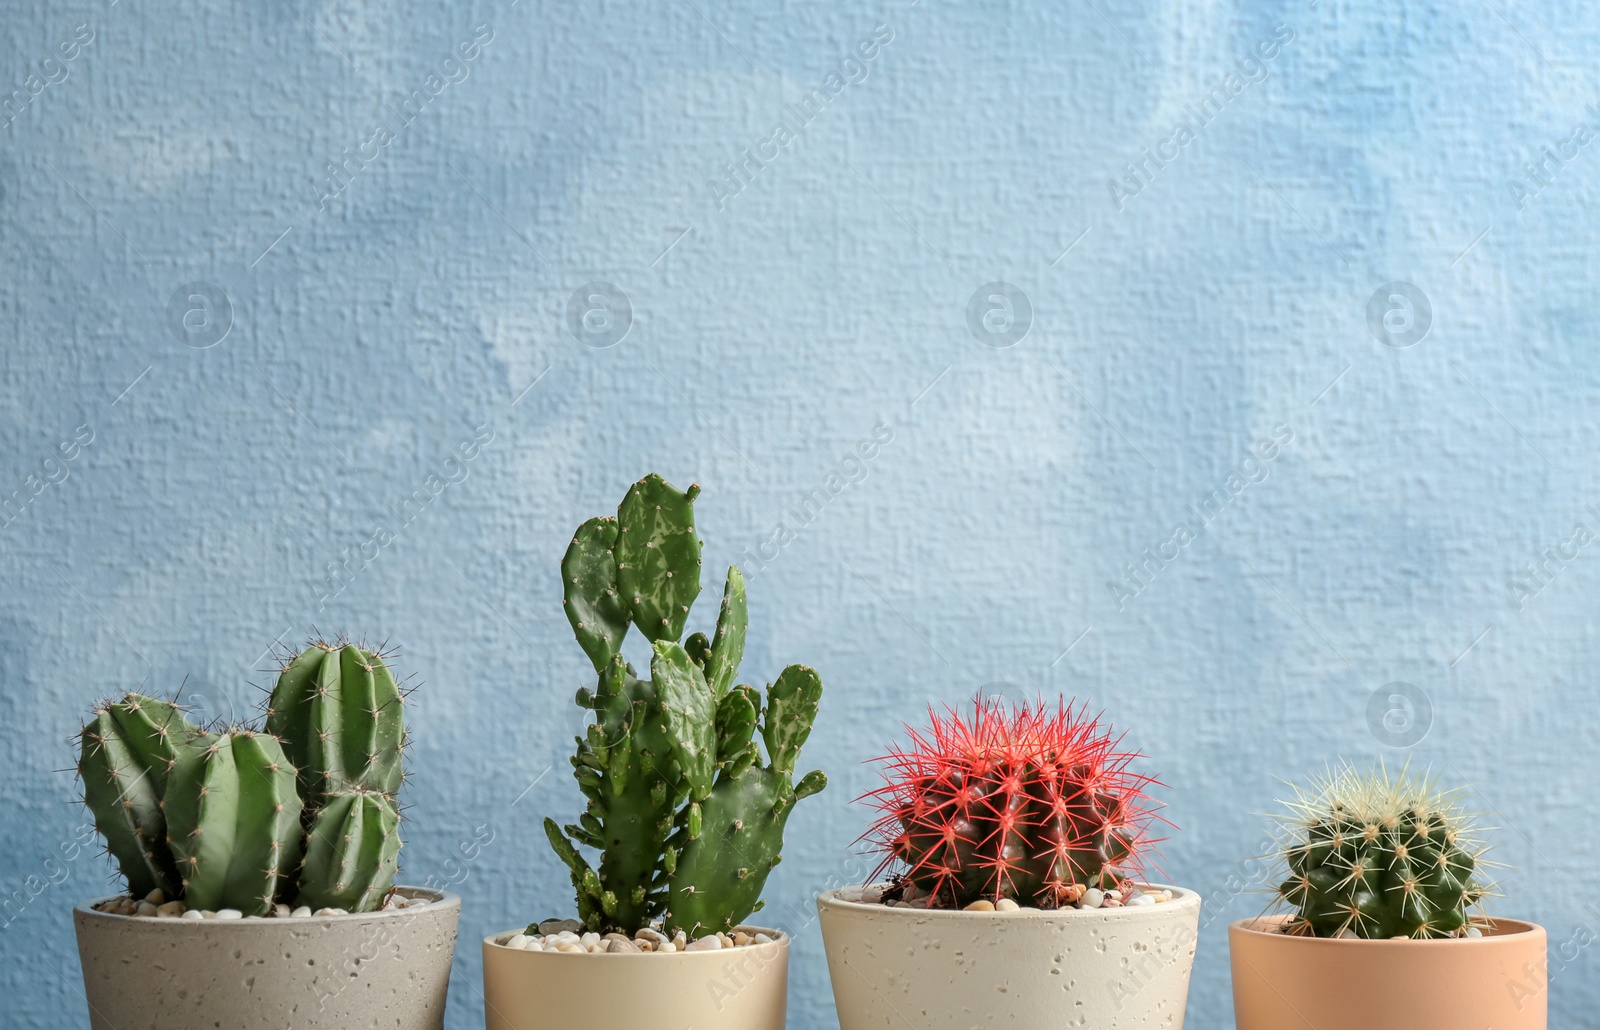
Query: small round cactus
x,y
1377,855
1028,803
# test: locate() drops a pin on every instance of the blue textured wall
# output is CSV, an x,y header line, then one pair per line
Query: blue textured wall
x,y
389,209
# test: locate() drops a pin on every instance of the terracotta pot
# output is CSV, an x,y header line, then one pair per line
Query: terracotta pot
x,y
1109,968
1496,980
739,989
379,969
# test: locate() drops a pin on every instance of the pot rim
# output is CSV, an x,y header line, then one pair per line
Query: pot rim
x,y
780,942
1182,898
1510,930
438,899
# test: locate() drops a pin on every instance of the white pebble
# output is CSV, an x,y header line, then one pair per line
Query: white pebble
x,y
981,905
1473,931
193,913
653,936
520,941
229,913
156,897
171,910
622,947
207,914
1114,894
1141,899
711,943
1006,905
303,912
1346,935
665,947
281,910
589,939
762,938
1092,898
571,949
146,908
330,912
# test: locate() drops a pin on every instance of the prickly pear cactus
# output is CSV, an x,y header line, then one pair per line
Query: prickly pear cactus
x,y
233,822
1372,855
352,850
339,713
727,844
126,753
1026,803
686,817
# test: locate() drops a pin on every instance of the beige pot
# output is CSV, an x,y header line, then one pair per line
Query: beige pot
x,y
1497,980
734,989
1110,969
378,969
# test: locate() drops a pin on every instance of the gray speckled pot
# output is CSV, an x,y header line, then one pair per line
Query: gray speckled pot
x,y
379,969
1109,969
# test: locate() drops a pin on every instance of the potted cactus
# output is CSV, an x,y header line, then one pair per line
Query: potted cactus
x,y
259,863
1381,880
685,810
1019,838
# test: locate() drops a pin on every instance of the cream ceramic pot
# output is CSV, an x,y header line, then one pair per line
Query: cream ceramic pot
x,y
379,969
1497,980
1110,969
733,989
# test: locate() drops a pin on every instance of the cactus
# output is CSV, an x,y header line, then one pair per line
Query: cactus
x,y
1374,855
351,853
1023,803
687,819
233,822
338,711
729,843
127,752
222,821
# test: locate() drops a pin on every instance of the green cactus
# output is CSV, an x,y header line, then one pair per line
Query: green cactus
x,y
222,821
658,556
233,822
731,844
339,713
1374,855
351,853
625,769
126,753
687,819
591,596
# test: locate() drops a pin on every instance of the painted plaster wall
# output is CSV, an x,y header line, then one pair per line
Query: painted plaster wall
x,y
390,208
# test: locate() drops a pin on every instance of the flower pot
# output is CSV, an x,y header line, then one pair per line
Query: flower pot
x,y
377,969
1108,968
1496,980
735,989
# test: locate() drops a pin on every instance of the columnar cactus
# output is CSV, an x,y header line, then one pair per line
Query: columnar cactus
x,y
1374,855
338,711
244,818
1031,804
352,849
127,751
686,815
233,822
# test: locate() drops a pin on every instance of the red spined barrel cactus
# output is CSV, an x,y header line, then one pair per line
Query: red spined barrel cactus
x,y
1024,802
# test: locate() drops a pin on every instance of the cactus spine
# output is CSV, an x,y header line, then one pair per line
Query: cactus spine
x,y
1023,803
687,819
233,822
1374,855
230,820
